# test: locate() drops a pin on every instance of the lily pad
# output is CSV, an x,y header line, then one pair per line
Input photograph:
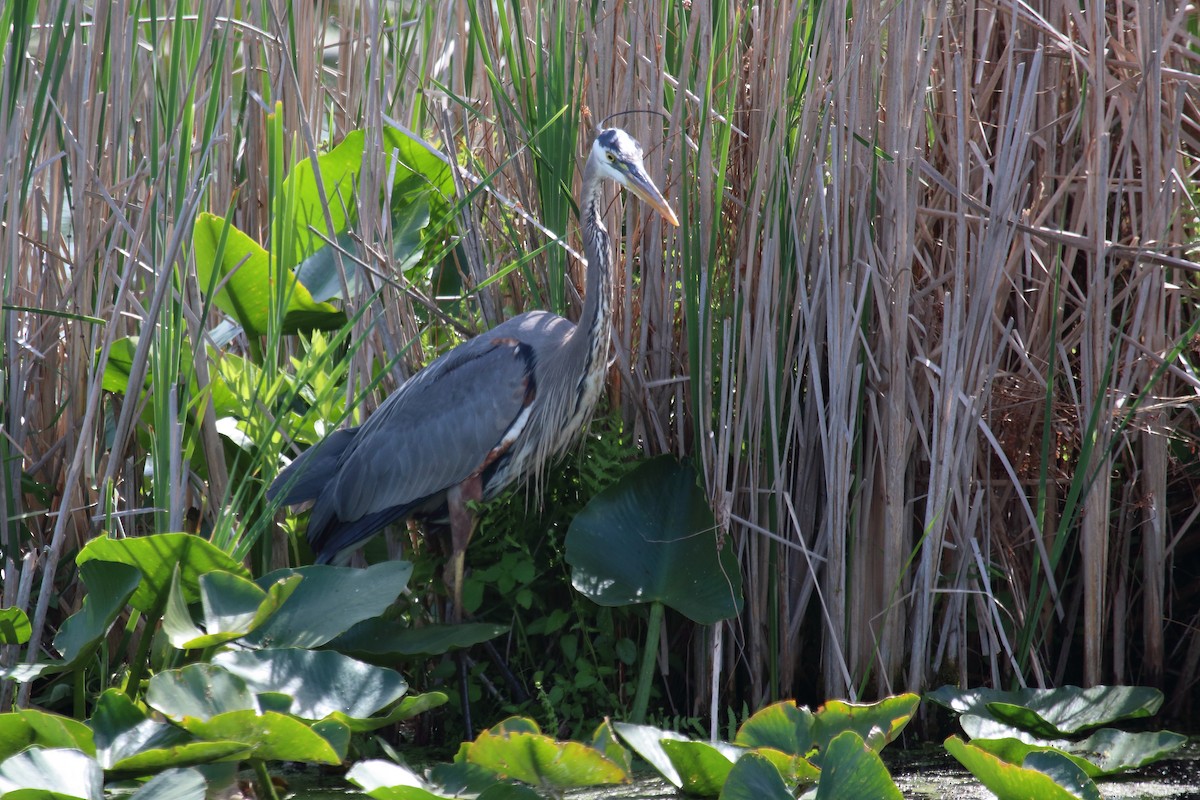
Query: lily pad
x,y
1054,712
320,683
232,607
875,723
701,766
242,281
386,780
646,741
174,784
376,637
328,602
199,691
852,768
754,777
272,736
14,626
128,741
33,727
1018,782
783,726
66,773
538,760
658,518
156,556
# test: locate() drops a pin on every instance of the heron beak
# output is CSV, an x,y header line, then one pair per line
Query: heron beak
x,y
641,185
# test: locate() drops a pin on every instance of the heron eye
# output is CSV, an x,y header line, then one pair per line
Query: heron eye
x,y
611,157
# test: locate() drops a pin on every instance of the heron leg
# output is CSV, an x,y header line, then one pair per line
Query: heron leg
x,y
462,525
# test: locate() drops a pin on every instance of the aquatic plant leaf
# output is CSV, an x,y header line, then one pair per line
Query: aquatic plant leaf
x,y
754,777
128,741
385,780
272,736
1017,782
328,602
797,771
338,168
851,768
231,605
64,772
33,727
15,627
1054,713
540,761
875,723
241,282
658,518
702,766
604,739
198,691
336,733
646,741
320,682
174,784
783,726
156,557
383,637
1108,751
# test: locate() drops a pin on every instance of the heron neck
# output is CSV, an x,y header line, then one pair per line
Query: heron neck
x,y
592,331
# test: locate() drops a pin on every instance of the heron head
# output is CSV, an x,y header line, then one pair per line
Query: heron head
x,y
620,158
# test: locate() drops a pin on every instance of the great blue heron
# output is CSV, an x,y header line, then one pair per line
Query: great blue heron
x,y
496,408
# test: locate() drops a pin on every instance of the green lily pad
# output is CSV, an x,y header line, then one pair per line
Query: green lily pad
x,y
754,777
32,727
1054,713
783,726
14,626
875,723
65,773
272,736
797,771
658,518
199,691
386,780
320,683
1108,751
245,281
127,741
540,761
852,768
378,637
701,766
604,739
232,607
156,556
646,741
1018,782
174,784
328,602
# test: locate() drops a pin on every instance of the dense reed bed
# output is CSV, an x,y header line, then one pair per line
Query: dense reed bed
x,y
929,325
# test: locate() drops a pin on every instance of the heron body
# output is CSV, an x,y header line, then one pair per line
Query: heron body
x,y
494,409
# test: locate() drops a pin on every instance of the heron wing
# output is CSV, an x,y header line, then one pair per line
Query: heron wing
x,y
435,431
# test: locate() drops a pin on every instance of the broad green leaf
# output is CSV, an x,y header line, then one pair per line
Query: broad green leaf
x,y
232,607
339,169
646,741
1012,782
783,726
128,741
336,733
540,761
754,777
658,518
385,780
797,771
174,784
272,736
67,773
199,691
14,626
1108,751
875,723
604,739
424,169
1054,712
109,588
328,602
156,556
852,769
382,637
702,766
242,282
320,683
30,727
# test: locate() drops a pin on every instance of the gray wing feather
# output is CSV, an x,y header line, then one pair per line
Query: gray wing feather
x,y
435,430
